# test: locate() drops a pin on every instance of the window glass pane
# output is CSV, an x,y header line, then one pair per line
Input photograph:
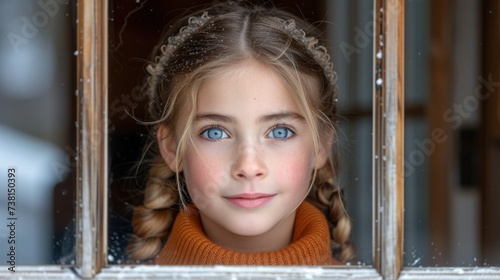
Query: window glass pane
x,y
351,31
450,137
135,27
37,132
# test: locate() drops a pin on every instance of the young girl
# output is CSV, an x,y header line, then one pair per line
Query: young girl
x,y
242,172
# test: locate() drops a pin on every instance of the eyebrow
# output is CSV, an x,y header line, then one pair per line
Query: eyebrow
x,y
215,117
266,118
281,116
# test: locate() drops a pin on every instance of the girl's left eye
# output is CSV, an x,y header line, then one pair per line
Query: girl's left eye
x,y
280,132
214,133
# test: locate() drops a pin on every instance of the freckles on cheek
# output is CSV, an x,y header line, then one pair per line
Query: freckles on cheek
x,y
203,177
197,175
296,170
200,184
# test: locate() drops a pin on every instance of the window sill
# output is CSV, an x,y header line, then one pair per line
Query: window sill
x,y
450,273
197,272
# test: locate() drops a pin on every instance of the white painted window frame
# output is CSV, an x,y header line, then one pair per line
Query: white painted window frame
x,y
388,120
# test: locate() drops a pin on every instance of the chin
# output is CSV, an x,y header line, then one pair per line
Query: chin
x,y
249,230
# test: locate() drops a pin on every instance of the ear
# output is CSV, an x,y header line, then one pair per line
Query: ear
x,y
168,147
325,148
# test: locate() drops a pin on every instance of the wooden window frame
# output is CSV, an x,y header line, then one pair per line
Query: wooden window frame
x,y
388,120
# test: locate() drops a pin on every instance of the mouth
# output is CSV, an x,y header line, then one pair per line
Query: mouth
x,y
250,200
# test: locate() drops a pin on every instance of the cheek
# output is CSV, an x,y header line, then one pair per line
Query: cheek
x,y
201,169
296,170
202,178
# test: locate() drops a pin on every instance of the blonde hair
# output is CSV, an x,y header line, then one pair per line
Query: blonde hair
x,y
218,37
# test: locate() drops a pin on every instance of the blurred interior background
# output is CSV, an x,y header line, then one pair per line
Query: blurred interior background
x,y
37,128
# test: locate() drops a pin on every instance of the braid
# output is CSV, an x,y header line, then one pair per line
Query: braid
x,y
330,200
341,244
152,221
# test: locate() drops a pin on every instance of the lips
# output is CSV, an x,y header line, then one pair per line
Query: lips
x,y
250,200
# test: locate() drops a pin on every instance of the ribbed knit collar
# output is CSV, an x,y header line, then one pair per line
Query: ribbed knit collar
x,y
188,245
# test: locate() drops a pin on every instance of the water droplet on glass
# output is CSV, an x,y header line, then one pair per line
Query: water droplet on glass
x,y
379,81
379,54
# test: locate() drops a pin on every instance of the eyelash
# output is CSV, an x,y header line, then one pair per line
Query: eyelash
x,y
291,128
203,130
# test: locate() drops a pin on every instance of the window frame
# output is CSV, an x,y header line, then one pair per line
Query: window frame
x,y
92,171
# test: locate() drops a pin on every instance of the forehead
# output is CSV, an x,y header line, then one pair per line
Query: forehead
x,y
248,84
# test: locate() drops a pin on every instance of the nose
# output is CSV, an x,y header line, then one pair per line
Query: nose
x,y
249,164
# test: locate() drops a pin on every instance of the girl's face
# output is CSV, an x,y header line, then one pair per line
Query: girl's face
x,y
252,156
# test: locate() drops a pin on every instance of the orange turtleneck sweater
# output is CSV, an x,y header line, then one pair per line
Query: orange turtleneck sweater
x,y
188,245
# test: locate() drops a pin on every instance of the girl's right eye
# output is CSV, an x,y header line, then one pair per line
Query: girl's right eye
x,y
214,133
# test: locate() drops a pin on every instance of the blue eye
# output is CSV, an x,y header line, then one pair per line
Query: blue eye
x,y
214,133
280,132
